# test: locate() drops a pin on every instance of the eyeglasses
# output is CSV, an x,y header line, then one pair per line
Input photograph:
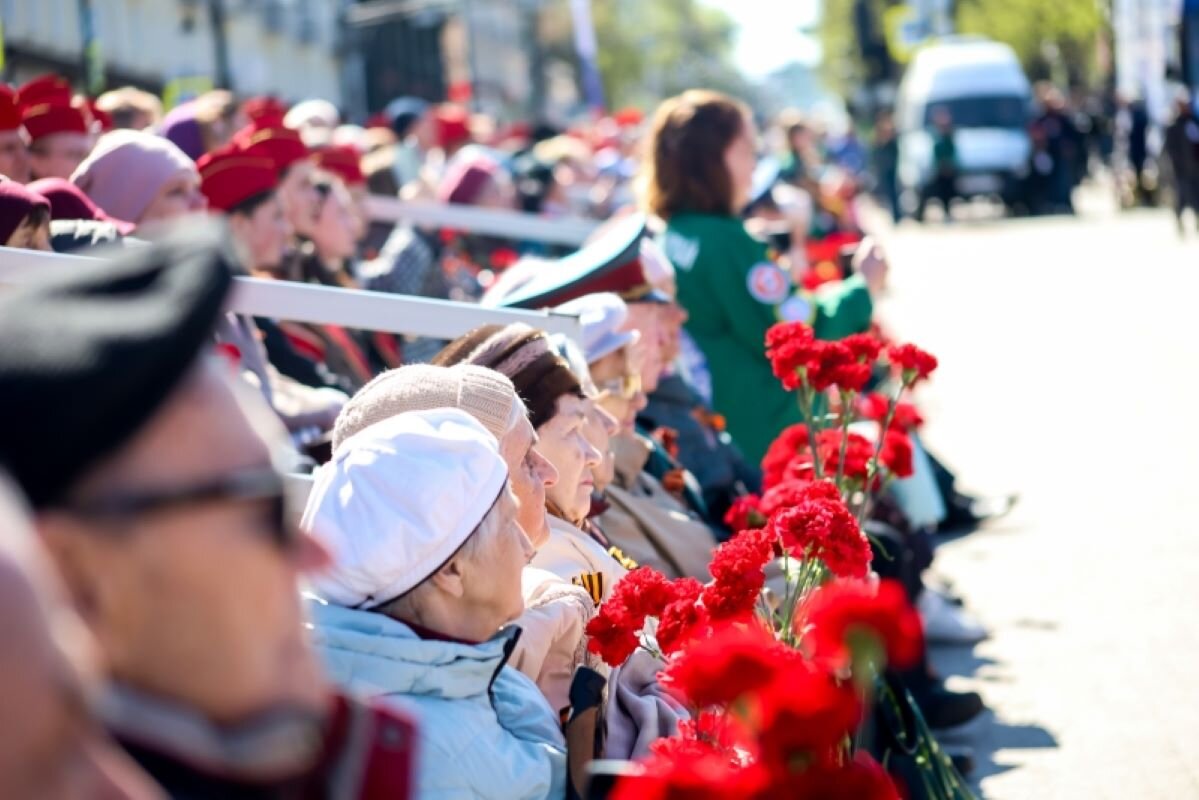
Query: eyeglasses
x,y
260,484
626,386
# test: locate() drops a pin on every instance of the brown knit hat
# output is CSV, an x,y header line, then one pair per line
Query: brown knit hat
x,y
485,394
526,356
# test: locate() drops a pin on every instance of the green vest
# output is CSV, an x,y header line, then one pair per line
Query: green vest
x,y
733,293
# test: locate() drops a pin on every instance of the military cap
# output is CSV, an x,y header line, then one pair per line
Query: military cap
x,y
611,261
87,357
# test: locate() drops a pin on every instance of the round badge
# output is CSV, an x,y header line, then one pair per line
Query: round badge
x,y
796,309
768,284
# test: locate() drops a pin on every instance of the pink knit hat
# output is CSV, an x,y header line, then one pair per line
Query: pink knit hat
x,y
126,169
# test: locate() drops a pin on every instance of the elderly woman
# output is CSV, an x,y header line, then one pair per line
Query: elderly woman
x,y
556,613
640,517
419,516
141,178
558,409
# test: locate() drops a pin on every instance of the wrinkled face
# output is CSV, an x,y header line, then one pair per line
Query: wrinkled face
x,y
672,317
617,376
29,236
336,224
14,156
599,429
263,233
299,197
564,445
59,154
647,319
53,747
740,159
157,588
178,197
530,475
491,576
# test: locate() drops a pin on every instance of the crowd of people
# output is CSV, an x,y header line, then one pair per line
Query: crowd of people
x,y
249,557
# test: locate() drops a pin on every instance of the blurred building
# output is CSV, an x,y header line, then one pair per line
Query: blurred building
x,y
287,47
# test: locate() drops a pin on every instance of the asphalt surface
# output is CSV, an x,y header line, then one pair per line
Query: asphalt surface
x,y
1069,352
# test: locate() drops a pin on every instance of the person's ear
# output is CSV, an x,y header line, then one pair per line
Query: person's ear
x,y
452,576
77,558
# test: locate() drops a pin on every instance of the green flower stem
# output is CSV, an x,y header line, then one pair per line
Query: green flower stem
x,y
873,468
806,407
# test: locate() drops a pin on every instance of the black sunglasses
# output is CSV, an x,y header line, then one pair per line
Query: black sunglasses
x,y
258,484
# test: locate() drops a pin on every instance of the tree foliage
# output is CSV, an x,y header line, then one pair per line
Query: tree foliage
x,y
651,50
1046,34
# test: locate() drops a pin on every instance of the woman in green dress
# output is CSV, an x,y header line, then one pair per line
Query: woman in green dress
x,y
699,171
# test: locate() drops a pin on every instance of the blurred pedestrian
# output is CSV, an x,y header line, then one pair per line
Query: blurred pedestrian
x,y
942,186
1181,147
885,157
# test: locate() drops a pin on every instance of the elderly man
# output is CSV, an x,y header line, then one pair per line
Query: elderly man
x,y
158,498
419,516
556,613
48,672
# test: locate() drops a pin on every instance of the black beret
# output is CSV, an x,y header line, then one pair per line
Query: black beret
x,y
88,356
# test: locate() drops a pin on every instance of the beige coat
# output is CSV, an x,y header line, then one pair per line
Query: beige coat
x,y
552,641
647,523
575,556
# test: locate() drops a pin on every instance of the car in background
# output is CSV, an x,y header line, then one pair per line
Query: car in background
x,y
982,86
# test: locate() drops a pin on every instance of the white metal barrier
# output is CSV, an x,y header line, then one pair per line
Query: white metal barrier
x,y
571,231
303,302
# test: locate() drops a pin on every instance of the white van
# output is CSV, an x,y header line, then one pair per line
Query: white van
x,y
983,87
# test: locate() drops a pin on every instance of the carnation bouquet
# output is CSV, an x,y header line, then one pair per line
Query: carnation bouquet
x,y
780,655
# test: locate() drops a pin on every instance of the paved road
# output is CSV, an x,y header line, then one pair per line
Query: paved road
x,y
1070,364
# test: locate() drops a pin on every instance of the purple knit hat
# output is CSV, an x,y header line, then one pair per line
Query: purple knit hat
x,y
126,169
181,127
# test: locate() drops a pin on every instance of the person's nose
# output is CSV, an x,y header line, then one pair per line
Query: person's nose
x,y
546,472
592,457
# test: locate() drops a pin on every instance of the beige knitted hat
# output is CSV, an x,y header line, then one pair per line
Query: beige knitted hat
x,y
483,393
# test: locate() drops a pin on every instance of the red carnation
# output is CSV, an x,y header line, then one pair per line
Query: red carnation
x,y
804,711
791,348
612,632
852,377
825,529
738,574
896,454
792,493
683,618
711,732
745,513
864,347
692,776
874,406
735,661
829,362
782,451
861,779
843,616
912,363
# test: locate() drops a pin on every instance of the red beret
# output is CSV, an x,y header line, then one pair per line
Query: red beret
x,y
281,145
102,118
342,161
264,111
48,118
452,126
10,115
44,89
230,177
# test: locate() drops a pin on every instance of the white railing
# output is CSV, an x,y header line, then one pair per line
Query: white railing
x,y
323,305
570,231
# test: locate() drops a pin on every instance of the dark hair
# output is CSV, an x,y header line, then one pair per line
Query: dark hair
x,y
540,379
38,216
684,164
252,203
